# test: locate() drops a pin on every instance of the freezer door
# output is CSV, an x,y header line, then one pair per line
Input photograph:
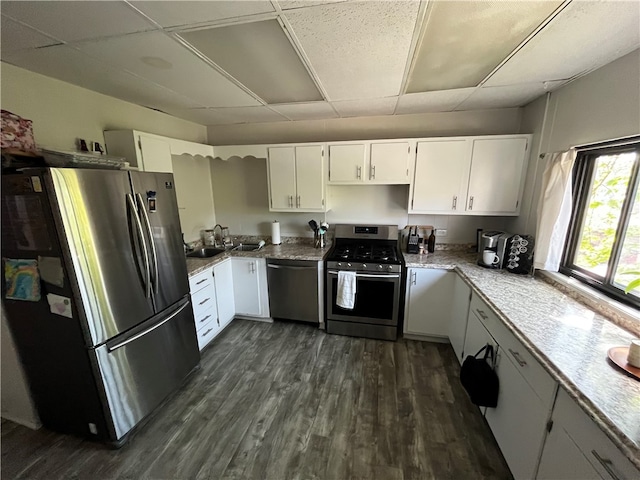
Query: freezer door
x,y
106,248
156,199
141,368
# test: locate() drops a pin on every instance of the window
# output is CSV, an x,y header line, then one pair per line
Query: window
x,y
603,244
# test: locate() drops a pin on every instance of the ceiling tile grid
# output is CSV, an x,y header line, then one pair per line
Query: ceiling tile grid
x,y
219,62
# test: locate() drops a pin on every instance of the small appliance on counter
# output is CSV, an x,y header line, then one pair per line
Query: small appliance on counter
x,y
492,248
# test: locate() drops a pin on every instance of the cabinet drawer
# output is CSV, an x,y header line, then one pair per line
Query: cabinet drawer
x,y
203,300
205,317
543,385
605,457
200,280
206,335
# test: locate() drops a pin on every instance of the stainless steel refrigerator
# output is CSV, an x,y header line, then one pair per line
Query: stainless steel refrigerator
x,y
112,334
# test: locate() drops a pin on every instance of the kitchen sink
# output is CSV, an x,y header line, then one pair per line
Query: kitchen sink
x,y
206,252
246,247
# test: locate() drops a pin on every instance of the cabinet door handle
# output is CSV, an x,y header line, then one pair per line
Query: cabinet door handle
x,y
203,280
455,201
205,318
471,202
606,464
205,333
482,314
373,172
518,358
204,301
298,200
359,172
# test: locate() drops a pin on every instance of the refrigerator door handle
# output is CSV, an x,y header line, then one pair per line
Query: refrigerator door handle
x,y
152,242
147,330
145,253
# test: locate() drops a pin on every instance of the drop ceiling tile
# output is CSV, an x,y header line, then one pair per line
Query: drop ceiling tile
x,y
177,13
228,116
186,74
306,111
441,101
583,37
260,56
506,96
16,36
367,107
203,116
77,20
464,41
357,49
69,65
291,4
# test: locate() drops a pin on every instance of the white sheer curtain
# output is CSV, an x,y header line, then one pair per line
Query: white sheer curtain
x,y
554,210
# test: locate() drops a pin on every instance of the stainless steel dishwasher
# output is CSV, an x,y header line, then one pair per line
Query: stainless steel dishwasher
x,y
294,289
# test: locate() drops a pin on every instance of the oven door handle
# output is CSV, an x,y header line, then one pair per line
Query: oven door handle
x,y
369,275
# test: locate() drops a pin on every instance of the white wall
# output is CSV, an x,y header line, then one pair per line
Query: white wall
x,y
62,112
16,403
240,185
602,105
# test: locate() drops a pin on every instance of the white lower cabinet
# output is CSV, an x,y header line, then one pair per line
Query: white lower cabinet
x,y
526,391
212,300
223,279
459,316
428,302
577,449
250,292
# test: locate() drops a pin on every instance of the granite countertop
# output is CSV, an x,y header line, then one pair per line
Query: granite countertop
x,y
290,251
569,339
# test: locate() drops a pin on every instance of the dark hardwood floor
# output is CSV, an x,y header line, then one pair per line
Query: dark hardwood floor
x,y
278,401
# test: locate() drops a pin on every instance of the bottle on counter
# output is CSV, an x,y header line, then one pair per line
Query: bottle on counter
x,y
431,242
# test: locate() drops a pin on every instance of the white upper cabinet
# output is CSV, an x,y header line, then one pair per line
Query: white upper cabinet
x,y
496,179
390,162
381,162
470,175
347,163
146,152
296,178
441,176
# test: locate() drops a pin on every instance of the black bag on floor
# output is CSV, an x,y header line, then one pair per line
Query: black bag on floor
x,y
479,378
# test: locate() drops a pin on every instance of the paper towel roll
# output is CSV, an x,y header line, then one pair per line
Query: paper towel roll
x,y
275,233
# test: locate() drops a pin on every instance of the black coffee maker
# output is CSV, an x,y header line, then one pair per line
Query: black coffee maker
x,y
491,249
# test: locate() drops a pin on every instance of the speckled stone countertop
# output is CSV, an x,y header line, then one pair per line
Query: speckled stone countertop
x,y
288,251
567,338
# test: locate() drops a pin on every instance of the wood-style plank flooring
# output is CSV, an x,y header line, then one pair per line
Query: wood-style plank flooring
x,y
283,400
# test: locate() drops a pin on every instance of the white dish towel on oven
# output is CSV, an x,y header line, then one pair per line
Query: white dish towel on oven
x,y
346,294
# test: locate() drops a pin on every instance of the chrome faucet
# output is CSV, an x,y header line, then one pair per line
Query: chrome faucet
x,y
217,239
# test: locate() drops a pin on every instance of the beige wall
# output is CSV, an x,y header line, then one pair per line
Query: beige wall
x,y
240,185
602,105
62,112
481,122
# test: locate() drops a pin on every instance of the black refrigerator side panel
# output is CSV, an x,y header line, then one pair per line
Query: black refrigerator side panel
x,y
51,345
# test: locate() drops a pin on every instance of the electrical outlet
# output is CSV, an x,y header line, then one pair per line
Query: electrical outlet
x,y
441,232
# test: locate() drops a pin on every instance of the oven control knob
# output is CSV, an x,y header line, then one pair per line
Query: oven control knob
x,y
390,267
348,264
364,265
380,267
339,264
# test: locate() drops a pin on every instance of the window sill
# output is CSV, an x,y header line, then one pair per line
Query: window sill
x,y
620,314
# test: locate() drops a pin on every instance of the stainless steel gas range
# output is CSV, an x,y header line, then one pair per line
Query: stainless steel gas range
x,y
372,254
